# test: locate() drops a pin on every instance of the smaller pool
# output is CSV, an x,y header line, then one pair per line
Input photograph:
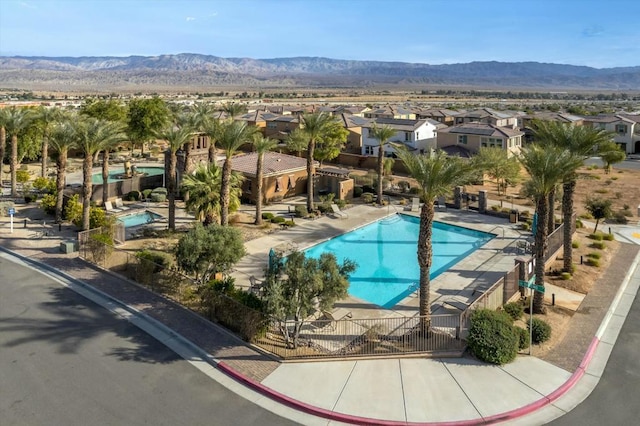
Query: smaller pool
x,y
113,174
140,218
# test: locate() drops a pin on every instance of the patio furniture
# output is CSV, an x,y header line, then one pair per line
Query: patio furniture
x,y
256,287
415,204
337,212
441,204
120,205
109,207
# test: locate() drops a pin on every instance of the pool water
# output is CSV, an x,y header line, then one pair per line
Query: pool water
x,y
113,174
386,254
137,219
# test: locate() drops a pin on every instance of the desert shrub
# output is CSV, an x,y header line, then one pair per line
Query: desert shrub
x,y
45,185
492,338
525,226
618,195
341,203
133,196
586,216
592,262
575,244
541,331
30,197
147,193
608,237
48,203
269,216
367,197
289,223
525,214
5,206
495,208
600,245
514,309
565,276
159,259
158,197
73,210
161,190
404,185
618,217
415,190
523,338
601,191
579,224
594,255
278,219
597,236
368,188
614,178
357,191
300,210
97,218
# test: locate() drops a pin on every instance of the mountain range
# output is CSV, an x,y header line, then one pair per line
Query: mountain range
x,y
200,71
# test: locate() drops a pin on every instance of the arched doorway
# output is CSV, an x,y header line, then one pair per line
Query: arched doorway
x,y
637,151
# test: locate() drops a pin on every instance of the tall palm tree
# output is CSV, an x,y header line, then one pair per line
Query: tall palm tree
x,y
261,145
93,134
3,138
176,137
547,166
232,136
63,137
581,141
15,120
313,128
203,187
205,122
47,117
436,174
382,135
233,110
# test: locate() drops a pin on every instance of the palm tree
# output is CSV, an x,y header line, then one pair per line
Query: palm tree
x,y
232,136
15,120
3,138
47,117
203,187
261,145
206,123
233,110
436,174
93,134
547,166
176,137
581,141
62,138
313,128
382,135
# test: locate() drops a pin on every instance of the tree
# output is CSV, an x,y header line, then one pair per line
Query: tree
x,y
315,129
436,174
63,137
611,153
300,286
599,209
46,117
92,136
4,112
15,121
232,110
581,141
176,137
145,118
232,136
109,110
261,145
382,135
205,251
547,166
496,163
205,122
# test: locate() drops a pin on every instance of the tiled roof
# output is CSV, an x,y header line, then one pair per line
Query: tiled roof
x,y
482,129
456,151
274,163
396,123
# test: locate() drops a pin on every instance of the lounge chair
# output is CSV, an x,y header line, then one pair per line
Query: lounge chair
x,y
109,207
257,287
337,212
441,204
328,320
415,204
120,205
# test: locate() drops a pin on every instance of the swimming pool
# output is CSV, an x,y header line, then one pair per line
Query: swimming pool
x,y
139,218
113,174
385,252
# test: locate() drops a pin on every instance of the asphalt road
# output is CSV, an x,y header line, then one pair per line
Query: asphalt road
x,y
629,164
67,361
615,400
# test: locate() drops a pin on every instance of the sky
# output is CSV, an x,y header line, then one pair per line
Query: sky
x,y
596,33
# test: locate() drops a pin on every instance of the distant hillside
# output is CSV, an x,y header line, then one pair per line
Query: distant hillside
x,y
193,70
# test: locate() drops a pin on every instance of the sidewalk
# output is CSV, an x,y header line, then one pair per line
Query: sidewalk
x,y
390,391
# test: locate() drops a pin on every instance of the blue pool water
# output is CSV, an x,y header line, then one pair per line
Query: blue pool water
x,y
140,218
113,174
386,254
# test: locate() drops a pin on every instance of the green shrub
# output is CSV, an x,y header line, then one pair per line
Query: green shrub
x,y
492,338
133,196
600,245
565,275
514,309
618,217
159,259
597,236
586,216
357,191
608,237
601,191
269,216
525,214
495,208
45,185
157,197
367,197
278,219
592,262
594,255
415,190
73,210
48,203
289,223
161,190
301,211
341,203
575,244
525,226
30,197
404,185
523,338
579,224
541,331
147,193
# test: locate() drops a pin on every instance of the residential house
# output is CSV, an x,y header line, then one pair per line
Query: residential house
x,y
444,116
473,136
280,127
625,127
391,112
354,125
526,120
416,135
488,116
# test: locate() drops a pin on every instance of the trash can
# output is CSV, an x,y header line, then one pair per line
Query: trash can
x,y
513,216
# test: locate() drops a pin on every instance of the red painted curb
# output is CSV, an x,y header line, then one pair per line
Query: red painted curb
x,y
346,418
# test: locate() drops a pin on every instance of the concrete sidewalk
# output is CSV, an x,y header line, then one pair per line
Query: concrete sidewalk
x,y
389,391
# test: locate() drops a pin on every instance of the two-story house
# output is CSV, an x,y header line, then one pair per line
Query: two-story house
x,y
417,135
354,125
473,136
488,116
281,126
444,116
527,119
390,112
625,127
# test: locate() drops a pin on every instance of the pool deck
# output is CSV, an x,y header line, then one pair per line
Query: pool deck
x,y
451,292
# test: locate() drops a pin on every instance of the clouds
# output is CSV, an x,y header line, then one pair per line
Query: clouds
x,y
209,16
593,31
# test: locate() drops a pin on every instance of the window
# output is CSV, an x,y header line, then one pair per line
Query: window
x,y
407,136
272,125
292,182
491,142
368,150
247,187
462,139
621,129
278,184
